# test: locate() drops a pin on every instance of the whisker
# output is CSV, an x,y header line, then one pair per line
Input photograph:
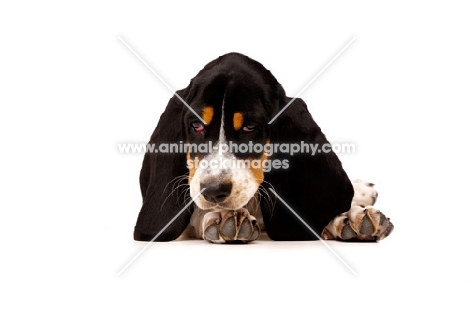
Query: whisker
x,y
186,195
266,195
178,180
180,184
174,181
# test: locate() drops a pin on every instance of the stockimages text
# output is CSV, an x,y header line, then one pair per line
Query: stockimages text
x,y
223,163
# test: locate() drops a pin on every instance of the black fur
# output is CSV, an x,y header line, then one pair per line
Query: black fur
x,y
316,187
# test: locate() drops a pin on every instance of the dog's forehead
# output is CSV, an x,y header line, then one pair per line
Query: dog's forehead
x,y
231,97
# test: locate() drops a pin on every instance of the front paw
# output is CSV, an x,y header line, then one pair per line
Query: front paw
x,y
230,227
359,224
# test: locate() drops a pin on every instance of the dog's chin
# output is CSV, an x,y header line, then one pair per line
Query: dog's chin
x,y
222,206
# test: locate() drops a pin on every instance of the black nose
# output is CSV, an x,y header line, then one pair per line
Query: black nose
x,y
216,192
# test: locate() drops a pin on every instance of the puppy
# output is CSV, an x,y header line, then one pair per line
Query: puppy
x,y
234,130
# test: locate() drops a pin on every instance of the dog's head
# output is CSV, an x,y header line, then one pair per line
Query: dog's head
x,y
235,97
227,110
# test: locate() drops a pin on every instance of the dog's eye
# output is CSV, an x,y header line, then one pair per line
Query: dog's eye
x,y
198,127
249,128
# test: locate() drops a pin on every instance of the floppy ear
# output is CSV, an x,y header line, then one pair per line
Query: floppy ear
x,y
315,186
158,176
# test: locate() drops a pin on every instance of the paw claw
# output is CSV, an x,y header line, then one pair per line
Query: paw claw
x,y
255,234
245,230
387,231
367,228
228,227
211,233
348,233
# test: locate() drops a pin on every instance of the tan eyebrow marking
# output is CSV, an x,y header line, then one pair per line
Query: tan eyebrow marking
x,y
238,120
207,114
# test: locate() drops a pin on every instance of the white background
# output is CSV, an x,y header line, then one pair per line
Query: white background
x,y
70,91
